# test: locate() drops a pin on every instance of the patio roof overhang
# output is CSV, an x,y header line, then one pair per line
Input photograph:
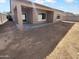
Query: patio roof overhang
x,y
30,4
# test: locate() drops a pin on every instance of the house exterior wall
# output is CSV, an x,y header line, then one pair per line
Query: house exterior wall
x,y
57,13
29,12
44,9
33,13
39,9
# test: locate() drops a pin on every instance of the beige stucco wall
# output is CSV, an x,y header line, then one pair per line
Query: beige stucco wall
x,y
61,14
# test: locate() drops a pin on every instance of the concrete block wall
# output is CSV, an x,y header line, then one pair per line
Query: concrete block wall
x,y
3,19
72,18
50,16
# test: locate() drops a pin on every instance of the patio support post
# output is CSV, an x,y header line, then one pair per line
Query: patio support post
x,y
12,9
19,17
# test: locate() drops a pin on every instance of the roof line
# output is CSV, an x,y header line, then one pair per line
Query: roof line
x,y
41,5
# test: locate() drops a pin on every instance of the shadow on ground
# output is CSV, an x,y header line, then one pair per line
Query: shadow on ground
x,y
36,43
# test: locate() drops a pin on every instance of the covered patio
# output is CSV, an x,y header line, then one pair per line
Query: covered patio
x,y
26,14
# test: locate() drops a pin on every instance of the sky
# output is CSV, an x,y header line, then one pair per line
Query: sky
x,y
65,5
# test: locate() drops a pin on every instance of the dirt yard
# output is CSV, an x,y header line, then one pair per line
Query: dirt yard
x,y
33,44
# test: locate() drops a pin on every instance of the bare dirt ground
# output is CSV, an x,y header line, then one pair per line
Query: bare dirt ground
x,y
68,48
33,44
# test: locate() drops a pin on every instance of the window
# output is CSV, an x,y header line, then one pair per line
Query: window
x,y
23,16
58,17
43,16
